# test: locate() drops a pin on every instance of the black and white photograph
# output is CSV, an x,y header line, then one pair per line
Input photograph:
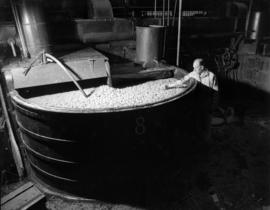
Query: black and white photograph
x,y
135,104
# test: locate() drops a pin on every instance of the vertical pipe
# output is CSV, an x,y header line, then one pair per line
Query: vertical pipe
x,y
163,13
108,72
174,12
155,9
248,16
168,13
235,26
19,28
179,32
11,43
34,26
164,41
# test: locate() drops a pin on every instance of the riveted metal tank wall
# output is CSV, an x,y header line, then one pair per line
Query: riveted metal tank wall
x,y
34,26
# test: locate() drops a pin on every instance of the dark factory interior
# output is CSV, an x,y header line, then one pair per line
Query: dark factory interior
x,y
132,104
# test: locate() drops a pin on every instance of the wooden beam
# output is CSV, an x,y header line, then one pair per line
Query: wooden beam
x,y
14,147
25,197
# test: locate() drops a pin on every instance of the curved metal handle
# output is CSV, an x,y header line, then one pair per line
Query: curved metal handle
x,y
45,56
68,73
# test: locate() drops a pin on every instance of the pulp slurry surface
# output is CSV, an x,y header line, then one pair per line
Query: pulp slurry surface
x,y
105,97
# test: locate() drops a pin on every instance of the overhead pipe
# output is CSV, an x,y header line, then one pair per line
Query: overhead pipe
x,y
179,32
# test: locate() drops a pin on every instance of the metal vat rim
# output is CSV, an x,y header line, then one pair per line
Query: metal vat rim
x,y
17,99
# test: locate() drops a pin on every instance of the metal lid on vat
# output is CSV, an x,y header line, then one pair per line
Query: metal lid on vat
x,y
82,65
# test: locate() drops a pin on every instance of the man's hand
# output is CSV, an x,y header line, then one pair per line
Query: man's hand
x,y
177,84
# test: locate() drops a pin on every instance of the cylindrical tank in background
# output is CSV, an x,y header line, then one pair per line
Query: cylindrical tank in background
x,y
34,26
149,43
254,28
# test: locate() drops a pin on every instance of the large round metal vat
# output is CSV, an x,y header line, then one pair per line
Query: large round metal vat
x,y
104,153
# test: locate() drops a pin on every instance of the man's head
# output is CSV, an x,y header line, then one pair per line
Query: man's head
x,y
198,65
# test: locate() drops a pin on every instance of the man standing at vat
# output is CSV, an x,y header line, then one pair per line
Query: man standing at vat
x,y
200,73
208,93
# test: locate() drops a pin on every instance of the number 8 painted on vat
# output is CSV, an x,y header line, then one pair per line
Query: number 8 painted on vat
x,y
140,128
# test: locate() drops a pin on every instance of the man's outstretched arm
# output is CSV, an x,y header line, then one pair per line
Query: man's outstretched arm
x,y
179,83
